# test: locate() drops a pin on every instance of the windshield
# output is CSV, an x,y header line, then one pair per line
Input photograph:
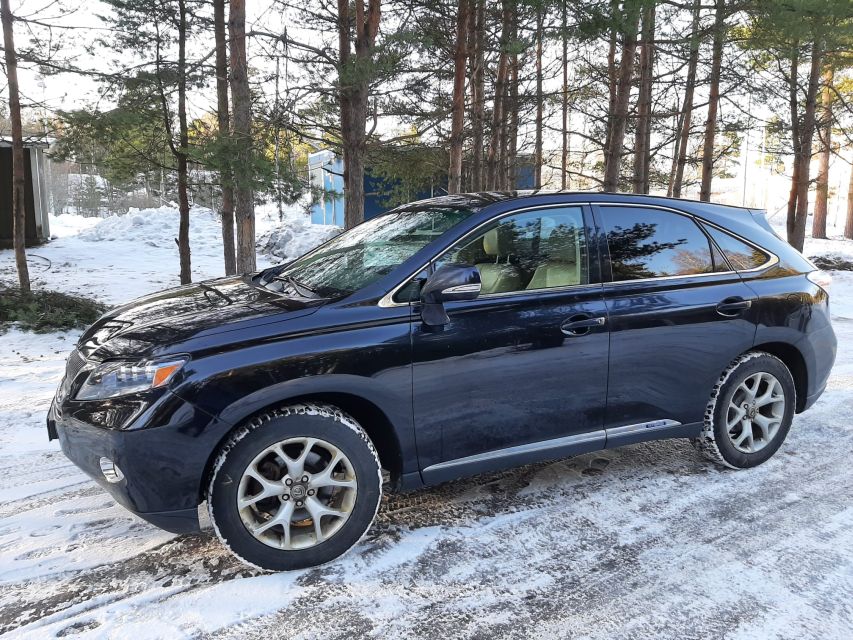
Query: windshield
x,y
363,254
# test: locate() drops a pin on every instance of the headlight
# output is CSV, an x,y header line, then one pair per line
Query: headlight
x,y
112,379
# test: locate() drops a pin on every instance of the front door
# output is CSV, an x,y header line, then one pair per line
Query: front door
x,y
678,316
520,373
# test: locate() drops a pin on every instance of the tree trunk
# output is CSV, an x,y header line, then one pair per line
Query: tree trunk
x,y
476,36
614,151
244,208
493,161
687,105
644,103
612,77
510,168
676,149
796,139
540,104
353,96
564,161
454,183
713,101
848,227
799,236
183,145
19,236
227,208
822,185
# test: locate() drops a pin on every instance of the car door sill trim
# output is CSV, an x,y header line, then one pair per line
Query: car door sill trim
x,y
641,427
532,447
543,446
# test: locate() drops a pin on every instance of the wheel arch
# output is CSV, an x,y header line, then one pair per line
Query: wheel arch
x,y
387,435
792,358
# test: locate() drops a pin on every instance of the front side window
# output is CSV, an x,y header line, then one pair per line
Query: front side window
x,y
362,255
527,251
650,243
741,255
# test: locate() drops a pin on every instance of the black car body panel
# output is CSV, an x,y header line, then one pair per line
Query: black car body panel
x,y
502,384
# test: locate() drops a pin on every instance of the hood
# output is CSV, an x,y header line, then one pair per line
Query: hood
x,y
151,324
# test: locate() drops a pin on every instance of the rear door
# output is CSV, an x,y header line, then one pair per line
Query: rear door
x,y
520,373
678,316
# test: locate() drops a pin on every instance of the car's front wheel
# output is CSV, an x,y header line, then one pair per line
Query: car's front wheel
x,y
750,411
294,488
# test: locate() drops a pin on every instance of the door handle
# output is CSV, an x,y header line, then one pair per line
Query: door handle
x,y
580,325
733,306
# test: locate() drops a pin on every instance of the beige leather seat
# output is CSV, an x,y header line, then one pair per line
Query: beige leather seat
x,y
562,266
499,277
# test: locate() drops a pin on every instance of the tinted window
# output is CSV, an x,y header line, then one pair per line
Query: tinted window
x,y
649,243
533,250
741,255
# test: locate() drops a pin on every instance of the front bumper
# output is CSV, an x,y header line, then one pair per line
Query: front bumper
x,y
164,464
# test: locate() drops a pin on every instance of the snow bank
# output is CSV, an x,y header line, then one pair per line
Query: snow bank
x,y
293,238
284,239
156,227
69,224
290,235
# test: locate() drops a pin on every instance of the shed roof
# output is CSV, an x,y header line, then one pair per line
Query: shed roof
x,y
30,142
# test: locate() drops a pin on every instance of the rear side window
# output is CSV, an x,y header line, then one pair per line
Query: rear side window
x,y
650,243
741,255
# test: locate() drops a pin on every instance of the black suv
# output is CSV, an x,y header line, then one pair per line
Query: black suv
x,y
445,338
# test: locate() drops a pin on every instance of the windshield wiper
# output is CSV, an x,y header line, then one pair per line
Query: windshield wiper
x,y
268,275
298,286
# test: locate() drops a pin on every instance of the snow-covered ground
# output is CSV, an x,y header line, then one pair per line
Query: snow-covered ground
x,y
647,541
122,257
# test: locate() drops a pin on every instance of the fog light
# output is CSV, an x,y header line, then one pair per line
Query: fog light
x,y
111,471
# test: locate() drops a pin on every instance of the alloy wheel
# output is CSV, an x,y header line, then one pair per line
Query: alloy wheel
x,y
755,412
297,493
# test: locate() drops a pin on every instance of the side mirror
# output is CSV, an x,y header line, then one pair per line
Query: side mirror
x,y
449,283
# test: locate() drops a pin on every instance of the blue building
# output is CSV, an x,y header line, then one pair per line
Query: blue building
x,y
326,175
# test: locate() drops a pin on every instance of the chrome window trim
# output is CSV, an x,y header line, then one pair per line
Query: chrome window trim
x,y
509,294
773,258
388,299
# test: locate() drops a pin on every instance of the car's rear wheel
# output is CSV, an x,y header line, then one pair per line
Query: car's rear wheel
x,y
296,487
750,411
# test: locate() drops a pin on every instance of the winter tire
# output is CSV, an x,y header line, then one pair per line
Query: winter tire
x,y
296,487
750,411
